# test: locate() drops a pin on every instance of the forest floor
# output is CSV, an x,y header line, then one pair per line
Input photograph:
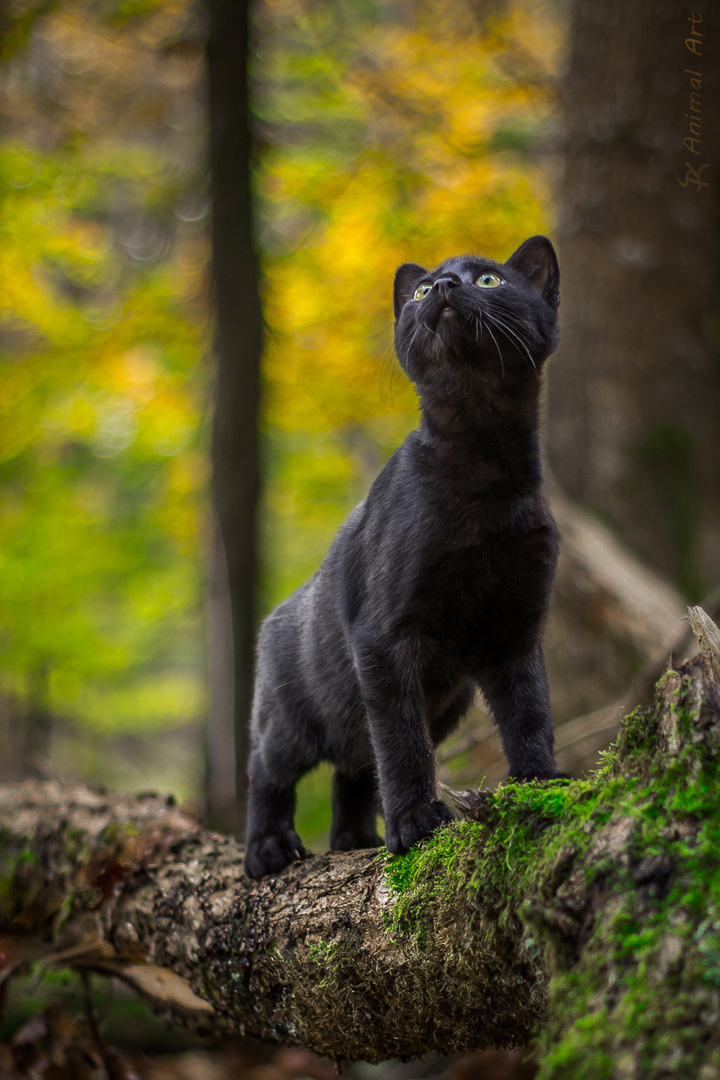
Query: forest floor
x,y
60,1042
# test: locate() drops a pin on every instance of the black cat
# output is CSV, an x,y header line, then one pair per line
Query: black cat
x,y
437,583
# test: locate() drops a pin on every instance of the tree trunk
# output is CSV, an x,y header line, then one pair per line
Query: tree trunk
x,y
239,339
222,806
634,395
37,721
8,739
583,914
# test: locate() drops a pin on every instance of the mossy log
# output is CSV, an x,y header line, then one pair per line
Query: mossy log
x,y
581,916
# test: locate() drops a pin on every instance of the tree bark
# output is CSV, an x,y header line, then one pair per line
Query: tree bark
x,y
303,958
239,339
584,915
634,391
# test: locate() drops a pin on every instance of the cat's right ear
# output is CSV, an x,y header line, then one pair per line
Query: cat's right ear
x,y
406,278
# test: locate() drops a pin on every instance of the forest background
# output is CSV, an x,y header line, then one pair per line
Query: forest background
x,y
385,132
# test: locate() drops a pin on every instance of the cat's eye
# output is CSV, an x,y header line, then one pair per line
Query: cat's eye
x,y
489,281
421,292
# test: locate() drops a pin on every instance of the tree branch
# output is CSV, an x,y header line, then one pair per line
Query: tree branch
x,y
559,910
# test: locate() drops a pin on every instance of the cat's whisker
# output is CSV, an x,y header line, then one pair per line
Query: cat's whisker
x,y
511,322
387,367
384,364
507,329
475,319
509,334
412,339
502,364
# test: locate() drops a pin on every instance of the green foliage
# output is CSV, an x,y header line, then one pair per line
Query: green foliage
x,y
126,1019
99,460
314,808
101,403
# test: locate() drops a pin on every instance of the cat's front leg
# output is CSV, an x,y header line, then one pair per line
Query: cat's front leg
x,y
404,754
517,692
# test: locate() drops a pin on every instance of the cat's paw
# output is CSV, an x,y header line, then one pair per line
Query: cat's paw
x,y
351,841
405,830
272,853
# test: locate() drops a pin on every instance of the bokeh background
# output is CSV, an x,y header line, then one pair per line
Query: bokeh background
x,y
379,139
384,131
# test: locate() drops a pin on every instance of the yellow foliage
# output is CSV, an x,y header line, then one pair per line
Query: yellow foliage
x,y
437,160
101,385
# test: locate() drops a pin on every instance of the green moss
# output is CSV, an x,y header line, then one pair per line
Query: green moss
x,y
430,873
20,884
326,980
612,883
332,957
636,979
500,855
115,834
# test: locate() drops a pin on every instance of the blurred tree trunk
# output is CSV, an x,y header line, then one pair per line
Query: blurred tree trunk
x,y
220,780
8,756
634,401
239,336
37,721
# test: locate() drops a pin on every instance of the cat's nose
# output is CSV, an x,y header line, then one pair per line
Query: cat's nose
x,y
445,283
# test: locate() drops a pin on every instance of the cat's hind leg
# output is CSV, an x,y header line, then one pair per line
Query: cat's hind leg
x,y
286,743
355,804
272,842
449,718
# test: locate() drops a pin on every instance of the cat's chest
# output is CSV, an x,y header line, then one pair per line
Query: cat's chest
x,y
461,583
464,525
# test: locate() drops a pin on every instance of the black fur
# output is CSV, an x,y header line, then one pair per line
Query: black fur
x,y
439,581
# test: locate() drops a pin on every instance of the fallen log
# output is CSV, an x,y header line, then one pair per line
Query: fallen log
x,y
584,915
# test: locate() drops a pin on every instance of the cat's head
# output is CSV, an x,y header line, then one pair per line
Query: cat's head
x,y
473,311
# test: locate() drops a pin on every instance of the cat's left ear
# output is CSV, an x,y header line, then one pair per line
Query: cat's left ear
x,y
406,278
537,262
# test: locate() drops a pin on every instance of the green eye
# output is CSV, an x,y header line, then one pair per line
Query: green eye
x,y
421,292
489,281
